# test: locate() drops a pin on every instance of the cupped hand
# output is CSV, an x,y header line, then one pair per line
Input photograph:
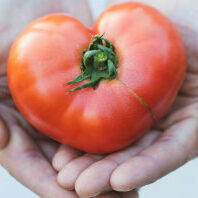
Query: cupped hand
x,y
25,153
172,142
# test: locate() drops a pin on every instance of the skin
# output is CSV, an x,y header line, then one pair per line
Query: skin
x,y
171,143
184,113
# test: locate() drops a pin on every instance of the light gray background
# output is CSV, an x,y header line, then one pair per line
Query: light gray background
x,y
182,183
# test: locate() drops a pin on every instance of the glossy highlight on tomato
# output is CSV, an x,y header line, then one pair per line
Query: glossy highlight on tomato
x,y
48,54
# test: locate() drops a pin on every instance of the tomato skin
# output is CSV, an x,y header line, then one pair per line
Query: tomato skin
x,y
47,54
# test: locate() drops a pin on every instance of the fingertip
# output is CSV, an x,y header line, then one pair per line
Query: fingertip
x,y
136,172
4,134
68,175
118,182
85,189
123,179
99,173
63,156
57,163
65,180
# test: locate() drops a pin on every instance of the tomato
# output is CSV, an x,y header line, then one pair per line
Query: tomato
x,y
150,70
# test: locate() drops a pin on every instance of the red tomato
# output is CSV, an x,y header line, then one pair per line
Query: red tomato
x,y
48,53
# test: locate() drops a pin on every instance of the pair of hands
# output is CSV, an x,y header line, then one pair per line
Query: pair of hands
x,y
39,162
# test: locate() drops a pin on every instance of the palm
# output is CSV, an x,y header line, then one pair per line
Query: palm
x,y
172,142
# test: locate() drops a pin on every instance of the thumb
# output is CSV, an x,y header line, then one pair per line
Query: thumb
x,y
3,134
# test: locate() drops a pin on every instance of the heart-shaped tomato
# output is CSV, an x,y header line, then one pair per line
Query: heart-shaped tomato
x,y
113,114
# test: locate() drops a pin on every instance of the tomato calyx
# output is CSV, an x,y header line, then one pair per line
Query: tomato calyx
x,y
99,62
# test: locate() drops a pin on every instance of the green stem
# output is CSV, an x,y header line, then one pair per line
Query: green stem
x,y
79,78
99,62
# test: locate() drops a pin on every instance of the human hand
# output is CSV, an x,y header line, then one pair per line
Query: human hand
x,y
170,144
27,154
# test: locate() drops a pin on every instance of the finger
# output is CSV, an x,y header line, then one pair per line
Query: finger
x,y
4,135
8,102
182,101
68,175
63,156
4,92
12,115
26,163
100,172
176,146
48,147
190,111
189,87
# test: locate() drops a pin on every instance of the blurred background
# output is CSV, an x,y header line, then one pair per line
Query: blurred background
x,y
181,183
